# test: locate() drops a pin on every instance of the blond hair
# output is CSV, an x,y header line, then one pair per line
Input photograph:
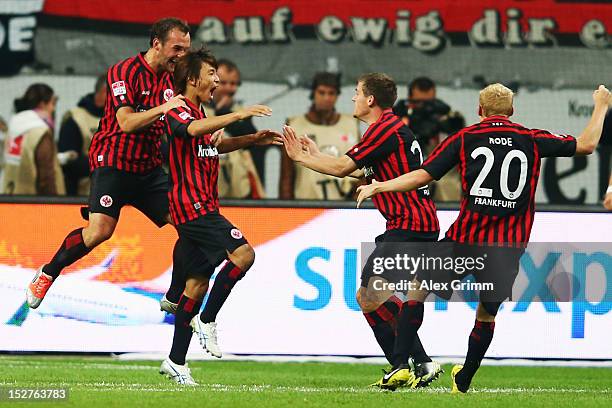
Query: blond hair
x,y
496,99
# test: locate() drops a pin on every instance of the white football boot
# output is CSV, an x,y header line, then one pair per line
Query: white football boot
x,y
167,306
207,333
181,374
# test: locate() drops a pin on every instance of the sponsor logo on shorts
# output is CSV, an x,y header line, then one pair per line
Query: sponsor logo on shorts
x,y
235,233
106,201
118,88
168,93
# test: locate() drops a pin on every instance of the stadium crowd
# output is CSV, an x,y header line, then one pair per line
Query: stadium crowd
x,y
40,157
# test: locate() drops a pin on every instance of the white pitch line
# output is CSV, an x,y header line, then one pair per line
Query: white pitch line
x,y
267,388
95,366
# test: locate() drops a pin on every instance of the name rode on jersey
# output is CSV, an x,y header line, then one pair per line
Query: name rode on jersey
x,y
503,211
131,83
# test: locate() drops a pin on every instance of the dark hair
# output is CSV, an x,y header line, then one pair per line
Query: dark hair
x,y
381,86
100,83
34,95
161,28
230,65
327,79
422,84
189,66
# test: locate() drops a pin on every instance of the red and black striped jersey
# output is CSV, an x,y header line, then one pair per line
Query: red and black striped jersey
x,y
499,164
387,150
132,83
194,167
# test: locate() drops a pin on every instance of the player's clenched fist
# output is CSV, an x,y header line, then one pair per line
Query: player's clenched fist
x,y
602,96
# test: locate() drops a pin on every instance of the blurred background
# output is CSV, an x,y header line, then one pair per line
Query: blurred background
x,y
302,58
552,53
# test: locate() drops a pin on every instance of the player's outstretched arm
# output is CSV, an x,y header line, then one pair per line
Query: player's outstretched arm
x,y
406,182
261,138
301,152
130,121
209,125
589,138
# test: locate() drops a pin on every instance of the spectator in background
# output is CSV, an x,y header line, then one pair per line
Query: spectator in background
x,y
239,171
333,132
429,118
78,127
32,166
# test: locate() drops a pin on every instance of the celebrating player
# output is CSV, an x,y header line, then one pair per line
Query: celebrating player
x,y
499,162
124,156
194,206
388,149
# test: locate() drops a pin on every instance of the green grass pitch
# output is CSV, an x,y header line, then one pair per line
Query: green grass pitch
x,y
105,382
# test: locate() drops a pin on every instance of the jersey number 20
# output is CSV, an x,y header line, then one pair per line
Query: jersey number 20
x,y
480,191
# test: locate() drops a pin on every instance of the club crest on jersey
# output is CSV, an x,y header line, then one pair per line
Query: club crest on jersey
x,y
207,151
118,88
106,201
235,233
168,93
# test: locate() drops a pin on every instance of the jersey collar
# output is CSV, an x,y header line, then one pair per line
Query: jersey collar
x,y
193,106
384,115
144,62
496,118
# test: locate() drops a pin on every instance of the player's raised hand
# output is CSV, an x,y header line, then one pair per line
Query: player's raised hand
x,y
268,137
365,191
177,101
217,137
292,144
309,145
255,110
602,96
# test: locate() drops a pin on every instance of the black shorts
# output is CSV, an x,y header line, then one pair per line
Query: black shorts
x,y
111,189
190,259
500,266
384,250
214,235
